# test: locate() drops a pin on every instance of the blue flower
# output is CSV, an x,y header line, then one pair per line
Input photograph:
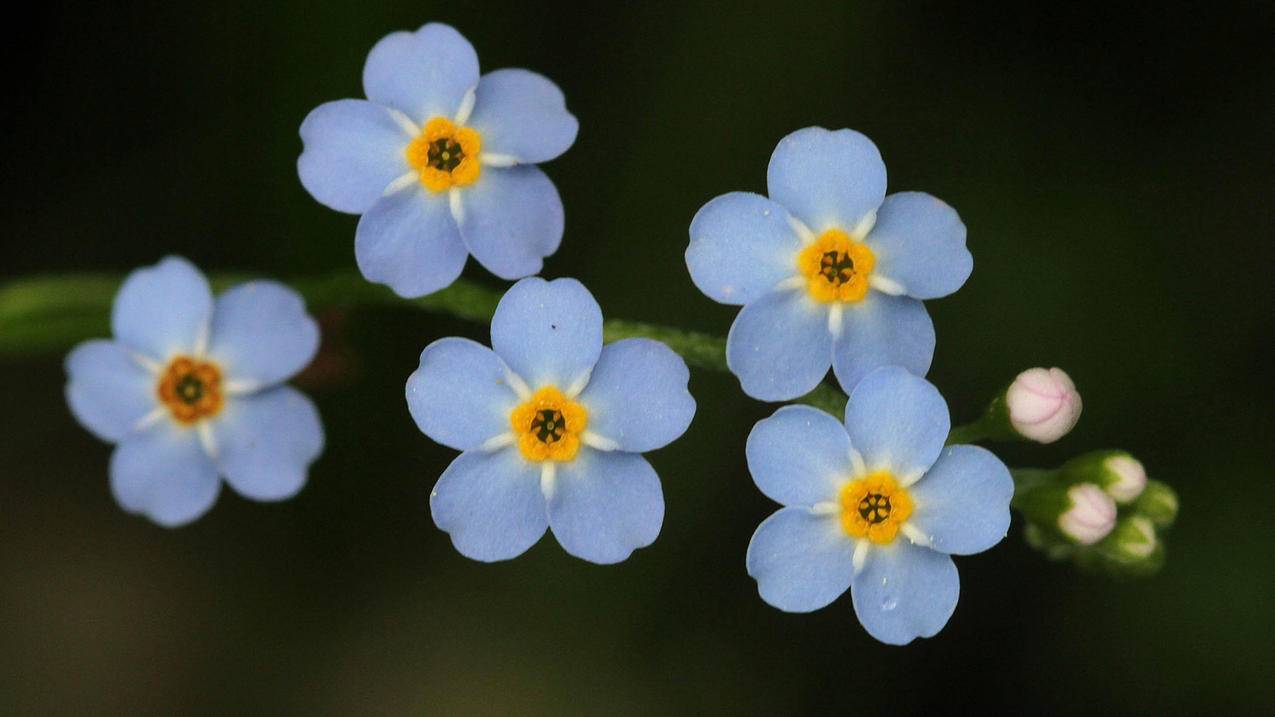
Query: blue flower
x,y
828,269
191,389
551,425
440,163
876,505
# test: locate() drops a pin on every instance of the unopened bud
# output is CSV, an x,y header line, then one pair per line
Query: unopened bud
x,y
1116,472
1132,540
1090,517
1158,503
1043,404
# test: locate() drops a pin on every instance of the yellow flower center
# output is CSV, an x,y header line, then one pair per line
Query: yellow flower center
x,y
548,426
445,155
874,507
836,267
190,389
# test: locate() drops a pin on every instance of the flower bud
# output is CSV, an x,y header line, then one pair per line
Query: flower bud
x,y
1091,515
1132,540
1118,473
1043,404
1158,503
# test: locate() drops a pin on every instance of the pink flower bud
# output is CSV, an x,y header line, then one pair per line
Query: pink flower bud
x,y
1129,478
1043,404
1091,516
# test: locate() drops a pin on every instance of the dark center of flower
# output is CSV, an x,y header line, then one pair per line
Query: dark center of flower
x,y
445,154
874,508
548,425
190,389
836,267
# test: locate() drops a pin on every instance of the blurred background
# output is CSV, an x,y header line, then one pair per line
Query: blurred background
x,y
1114,165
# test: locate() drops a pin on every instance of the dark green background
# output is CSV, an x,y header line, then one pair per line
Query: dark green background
x,y
1114,167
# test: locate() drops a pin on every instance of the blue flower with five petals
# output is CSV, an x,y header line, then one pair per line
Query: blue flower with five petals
x,y
551,425
192,388
440,163
877,505
828,268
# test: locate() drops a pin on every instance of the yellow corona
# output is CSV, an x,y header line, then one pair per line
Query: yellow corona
x,y
548,426
836,267
191,389
445,155
875,507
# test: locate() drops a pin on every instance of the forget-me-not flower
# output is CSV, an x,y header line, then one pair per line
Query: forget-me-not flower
x,y
828,268
440,163
552,425
191,388
876,505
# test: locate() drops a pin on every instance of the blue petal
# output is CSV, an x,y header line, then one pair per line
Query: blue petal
x,y
267,441
548,332
409,241
801,561
605,505
490,504
919,242
827,179
779,346
107,390
164,474
261,334
512,219
423,74
353,149
741,246
962,503
163,310
897,421
799,456
882,330
459,396
637,395
522,114
905,592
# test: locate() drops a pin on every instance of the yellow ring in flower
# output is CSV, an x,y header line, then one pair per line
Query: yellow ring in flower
x,y
191,389
874,507
836,267
548,426
445,155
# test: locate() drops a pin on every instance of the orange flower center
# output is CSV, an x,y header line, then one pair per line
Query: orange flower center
x,y
548,426
874,507
445,155
191,389
836,267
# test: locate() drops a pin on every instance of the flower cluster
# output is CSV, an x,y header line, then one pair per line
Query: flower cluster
x,y
552,424
191,388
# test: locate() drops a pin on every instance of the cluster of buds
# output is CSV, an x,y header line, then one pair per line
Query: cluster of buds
x,y
1098,510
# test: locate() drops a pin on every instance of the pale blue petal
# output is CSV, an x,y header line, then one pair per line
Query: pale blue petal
x,y
490,504
352,150
637,395
423,74
882,330
801,561
905,592
162,310
409,241
919,242
897,421
261,334
512,220
962,503
779,346
741,246
827,179
548,332
107,390
799,456
267,441
459,396
605,505
164,474
522,114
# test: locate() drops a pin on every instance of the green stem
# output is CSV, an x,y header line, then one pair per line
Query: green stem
x,y
53,313
972,432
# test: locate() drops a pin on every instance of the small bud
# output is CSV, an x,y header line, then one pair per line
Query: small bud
x,y
1116,472
1091,516
1043,404
1158,503
1132,540
1128,478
